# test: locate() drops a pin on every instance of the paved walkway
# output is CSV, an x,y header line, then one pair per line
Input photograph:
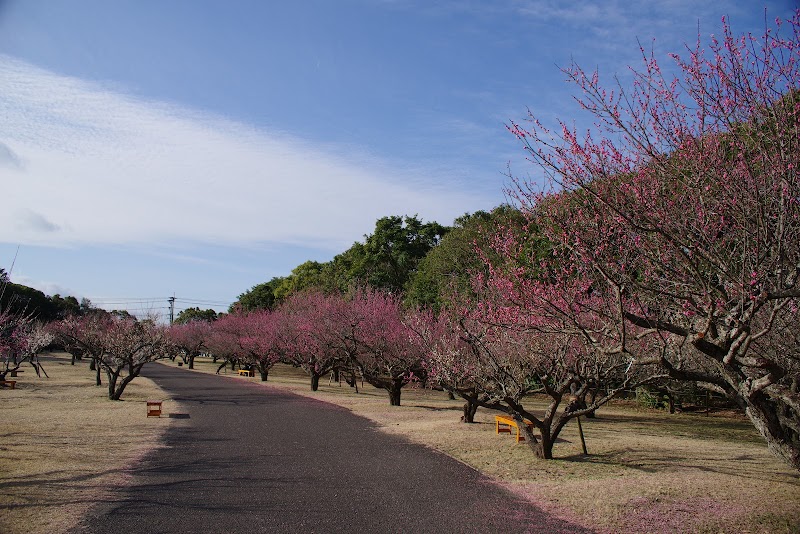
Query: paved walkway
x,y
257,459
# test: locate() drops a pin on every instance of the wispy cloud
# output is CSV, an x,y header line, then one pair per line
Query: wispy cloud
x,y
597,16
8,158
84,164
28,220
611,24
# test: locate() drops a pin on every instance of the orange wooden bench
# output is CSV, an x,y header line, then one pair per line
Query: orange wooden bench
x,y
245,372
503,423
10,383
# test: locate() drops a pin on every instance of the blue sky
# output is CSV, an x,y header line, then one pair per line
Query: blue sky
x,y
196,148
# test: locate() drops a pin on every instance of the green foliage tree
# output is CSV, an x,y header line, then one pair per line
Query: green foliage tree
x,y
389,257
337,274
195,314
448,268
65,306
122,314
87,306
21,299
24,300
258,297
305,276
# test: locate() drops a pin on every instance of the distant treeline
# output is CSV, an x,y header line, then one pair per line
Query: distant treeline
x,y
423,262
24,300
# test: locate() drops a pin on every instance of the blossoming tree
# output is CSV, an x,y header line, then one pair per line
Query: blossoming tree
x,y
389,354
190,338
260,335
21,339
311,330
680,213
121,346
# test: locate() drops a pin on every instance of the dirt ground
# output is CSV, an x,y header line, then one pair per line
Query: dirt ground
x,y
63,442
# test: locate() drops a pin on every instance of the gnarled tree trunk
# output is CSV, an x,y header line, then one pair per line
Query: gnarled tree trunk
x,y
470,407
779,424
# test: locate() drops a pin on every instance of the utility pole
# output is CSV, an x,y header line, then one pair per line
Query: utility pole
x,y
171,309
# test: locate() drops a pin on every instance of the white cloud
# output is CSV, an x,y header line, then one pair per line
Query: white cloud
x,y
88,165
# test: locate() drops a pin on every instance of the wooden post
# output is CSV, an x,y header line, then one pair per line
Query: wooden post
x,y
580,431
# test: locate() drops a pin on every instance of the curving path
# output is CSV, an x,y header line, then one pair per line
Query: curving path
x,y
252,458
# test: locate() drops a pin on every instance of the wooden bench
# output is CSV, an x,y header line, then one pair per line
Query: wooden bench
x,y
503,423
245,372
10,383
154,408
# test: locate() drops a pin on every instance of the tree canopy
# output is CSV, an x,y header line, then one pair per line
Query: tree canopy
x,y
195,314
258,297
387,259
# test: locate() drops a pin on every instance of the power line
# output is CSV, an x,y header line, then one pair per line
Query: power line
x,y
125,299
146,308
146,300
155,305
203,302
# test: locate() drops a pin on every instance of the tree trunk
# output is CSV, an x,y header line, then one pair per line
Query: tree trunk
x,y
112,383
671,401
122,384
98,382
470,407
264,372
352,381
450,395
191,361
583,403
782,440
314,381
93,364
395,387
542,447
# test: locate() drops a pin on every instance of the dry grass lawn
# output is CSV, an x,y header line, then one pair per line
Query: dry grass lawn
x,y
647,471
63,444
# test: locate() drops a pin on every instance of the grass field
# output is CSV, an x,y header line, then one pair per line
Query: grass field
x,y
63,444
647,471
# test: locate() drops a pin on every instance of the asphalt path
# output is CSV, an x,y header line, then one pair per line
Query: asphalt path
x,y
254,458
